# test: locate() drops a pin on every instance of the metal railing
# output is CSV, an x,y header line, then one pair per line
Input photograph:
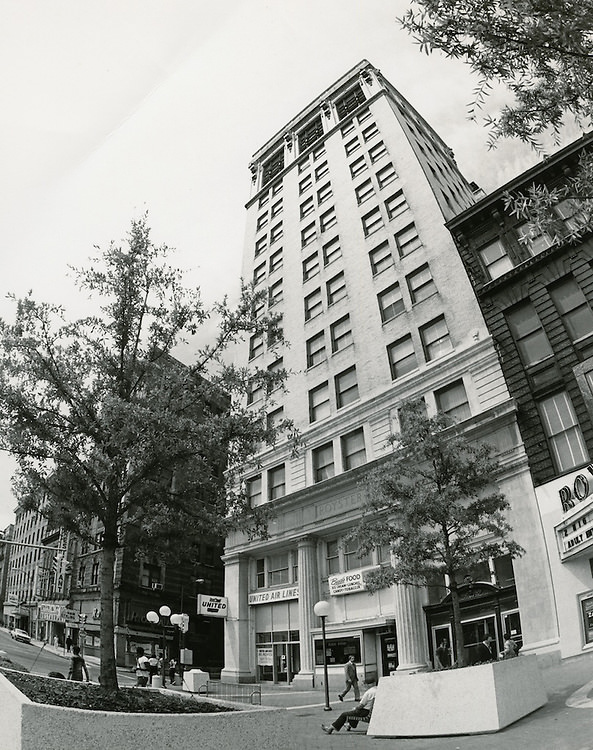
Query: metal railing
x,y
239,692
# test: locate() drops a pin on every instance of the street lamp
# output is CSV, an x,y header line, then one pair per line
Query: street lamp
x,y
321,609
153,617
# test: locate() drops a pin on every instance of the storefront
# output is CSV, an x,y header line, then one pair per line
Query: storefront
x,y
566,508
277,638
486,609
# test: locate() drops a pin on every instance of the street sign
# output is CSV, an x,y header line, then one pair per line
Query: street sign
x,y
212,606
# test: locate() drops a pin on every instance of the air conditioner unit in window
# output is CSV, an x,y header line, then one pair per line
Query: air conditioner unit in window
x,y
157,586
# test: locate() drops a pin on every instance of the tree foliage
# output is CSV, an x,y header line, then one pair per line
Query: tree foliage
x,y
106,424
540,49
436,506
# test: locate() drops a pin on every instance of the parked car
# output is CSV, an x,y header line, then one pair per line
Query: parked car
x,y
20,635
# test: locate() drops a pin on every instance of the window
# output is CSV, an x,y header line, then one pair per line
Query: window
x,y
255,393
435,338
149,573
319,402
316,349
275,334
363,116
308,234
323,462
307,207
331,251
341,334
276,208
452,401
346,387
313,304
402,357
95,574
370,132
259,273
377,151
336,288
407,240
352,558
324,193
260,573
256,346
263,200
495,259
328,219
276,260
421,284
253,490
396,205
332,556
273,166
278,569
274,418
277,188
385,175
364,191
535,241
372,221
305,183
349,102
261,245
380,258
358,167
573,308
353,450
528,333
276,232
276,483
347,128
275,370
318,152
275,293
390,302
563,431
310,267
321,170
570,213
262,221
352,146
309,134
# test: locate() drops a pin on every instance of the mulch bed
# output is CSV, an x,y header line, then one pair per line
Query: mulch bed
x,y
95,698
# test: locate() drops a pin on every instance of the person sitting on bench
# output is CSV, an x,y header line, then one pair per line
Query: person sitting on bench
x,y
363,709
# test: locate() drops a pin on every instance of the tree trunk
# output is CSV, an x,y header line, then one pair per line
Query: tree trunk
x,y
457,629
108,673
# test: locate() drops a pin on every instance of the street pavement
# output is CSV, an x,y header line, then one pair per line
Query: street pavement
x,y
565,723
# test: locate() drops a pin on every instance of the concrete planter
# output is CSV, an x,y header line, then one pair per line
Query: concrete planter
x,y
26,725
484,698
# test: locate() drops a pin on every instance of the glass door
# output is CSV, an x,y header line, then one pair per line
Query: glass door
x,y
442,648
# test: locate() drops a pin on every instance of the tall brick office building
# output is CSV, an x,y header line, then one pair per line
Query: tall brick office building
x,y
346,230
536,294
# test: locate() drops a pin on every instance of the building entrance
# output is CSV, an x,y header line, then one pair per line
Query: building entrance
x,y
277,662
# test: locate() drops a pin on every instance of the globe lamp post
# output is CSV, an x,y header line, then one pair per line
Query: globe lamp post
x,y
153,617
321,609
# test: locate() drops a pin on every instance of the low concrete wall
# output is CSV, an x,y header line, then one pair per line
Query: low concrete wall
x,y
26,725
484,698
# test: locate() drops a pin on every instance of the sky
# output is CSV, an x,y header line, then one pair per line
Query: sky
x,y
112,109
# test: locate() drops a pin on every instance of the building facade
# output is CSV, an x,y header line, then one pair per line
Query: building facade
x,y
346,231
535,290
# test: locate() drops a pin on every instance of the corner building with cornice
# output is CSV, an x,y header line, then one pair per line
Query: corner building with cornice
x,y
346,231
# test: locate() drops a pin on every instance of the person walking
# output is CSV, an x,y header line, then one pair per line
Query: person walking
x,y
142,668
351,679
77,666
68,644
363,710
172,670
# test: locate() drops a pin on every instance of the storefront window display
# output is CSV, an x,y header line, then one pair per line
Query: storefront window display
x,y
339,650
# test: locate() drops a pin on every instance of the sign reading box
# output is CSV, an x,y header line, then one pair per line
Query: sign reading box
x,y
212,606
274,595
346,583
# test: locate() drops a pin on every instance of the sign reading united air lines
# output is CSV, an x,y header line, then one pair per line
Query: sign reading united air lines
x,y
274,595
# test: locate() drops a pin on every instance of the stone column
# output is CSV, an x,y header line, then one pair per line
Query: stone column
x,y
411,630
308,596
237,647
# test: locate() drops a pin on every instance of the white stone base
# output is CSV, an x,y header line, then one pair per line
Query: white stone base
x,y
484,698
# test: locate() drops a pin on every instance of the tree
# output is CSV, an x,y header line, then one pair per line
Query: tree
x,y
435,506
105,424
542,51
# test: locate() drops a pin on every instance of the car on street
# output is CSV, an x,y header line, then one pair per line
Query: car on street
x,y
20,635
